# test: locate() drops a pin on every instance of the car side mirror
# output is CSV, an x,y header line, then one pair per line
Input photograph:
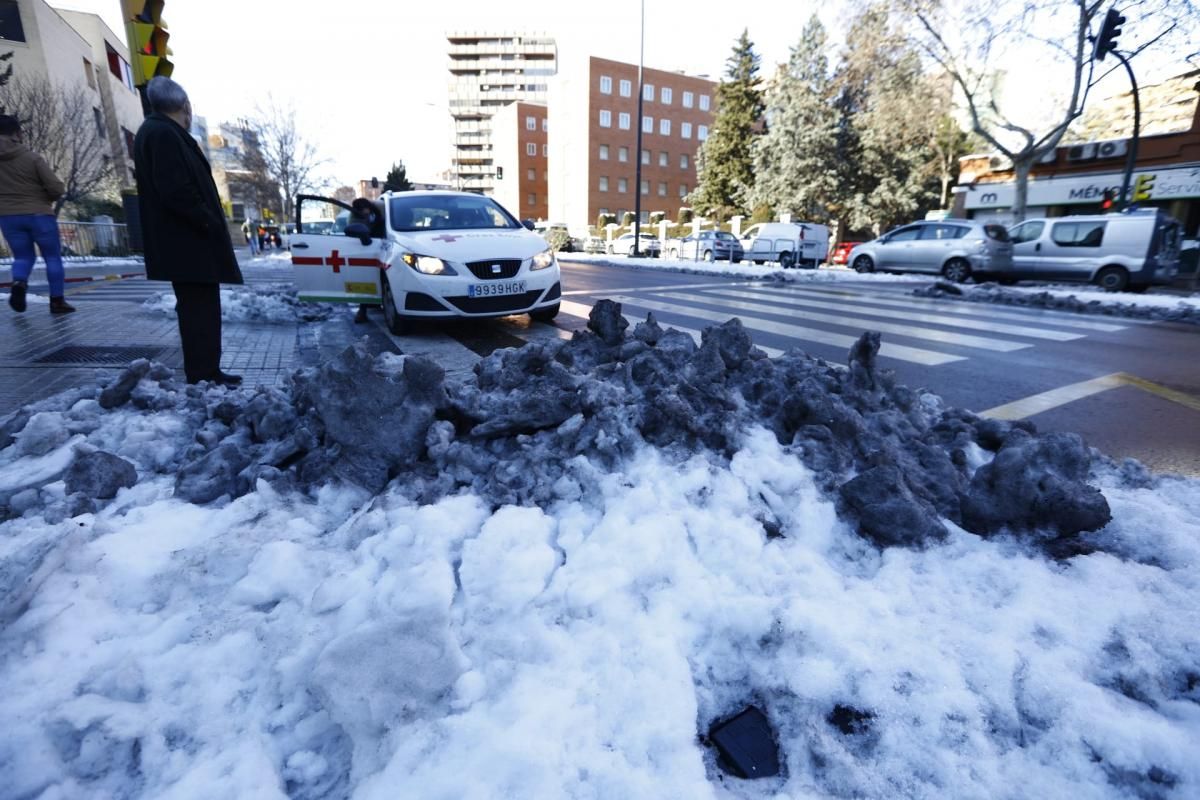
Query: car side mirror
x,y
528,223
360,231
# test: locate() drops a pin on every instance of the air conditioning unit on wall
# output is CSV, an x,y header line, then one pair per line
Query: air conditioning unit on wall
x,y
1081,152
1112,149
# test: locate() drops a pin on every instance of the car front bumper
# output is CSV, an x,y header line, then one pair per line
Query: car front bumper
x,y
433,296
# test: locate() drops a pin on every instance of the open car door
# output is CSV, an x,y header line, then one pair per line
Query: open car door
x,y
329,266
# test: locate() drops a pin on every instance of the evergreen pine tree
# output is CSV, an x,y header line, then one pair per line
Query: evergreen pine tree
x,y
725,165
794,161
397,179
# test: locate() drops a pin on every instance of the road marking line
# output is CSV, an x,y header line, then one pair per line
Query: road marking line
x,y
910,331
978,325
1045,401
915,355
603,293
581,310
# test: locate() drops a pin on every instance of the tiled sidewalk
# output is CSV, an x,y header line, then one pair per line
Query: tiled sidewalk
x,y
42,354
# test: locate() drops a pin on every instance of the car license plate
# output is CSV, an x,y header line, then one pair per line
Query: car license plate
x,y
496,289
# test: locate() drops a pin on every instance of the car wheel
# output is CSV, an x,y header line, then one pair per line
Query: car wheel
x,y
395,321
864,264
610,249
786,260
1112,279
957,270
544,314
758,261
708,256
674,254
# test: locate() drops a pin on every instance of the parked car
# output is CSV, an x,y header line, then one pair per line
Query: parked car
x,y
710,246
595,244
623,245
955,249
841,253
434,255
1125,251
570,244
803,244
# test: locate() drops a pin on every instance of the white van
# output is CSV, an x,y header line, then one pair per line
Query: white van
x,y
1127,250
790,243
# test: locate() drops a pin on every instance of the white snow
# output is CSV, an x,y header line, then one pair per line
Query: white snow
x,y
260,303
341,645
743,269
1154,298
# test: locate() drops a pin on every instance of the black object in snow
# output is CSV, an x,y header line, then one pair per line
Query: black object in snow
x,y
746,744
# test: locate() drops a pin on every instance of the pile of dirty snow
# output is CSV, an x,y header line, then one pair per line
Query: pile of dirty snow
x,y
552,579
1081,300
256,303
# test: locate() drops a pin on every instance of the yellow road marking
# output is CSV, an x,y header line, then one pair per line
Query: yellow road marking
x,y
1044,401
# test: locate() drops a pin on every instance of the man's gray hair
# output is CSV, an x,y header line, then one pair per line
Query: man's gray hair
x,y
165,95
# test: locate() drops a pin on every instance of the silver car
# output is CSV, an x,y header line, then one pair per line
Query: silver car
x,y
710,246
955,249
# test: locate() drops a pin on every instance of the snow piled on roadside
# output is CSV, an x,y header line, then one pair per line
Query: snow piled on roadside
x,y
1082,300
743,269
330,642
256,303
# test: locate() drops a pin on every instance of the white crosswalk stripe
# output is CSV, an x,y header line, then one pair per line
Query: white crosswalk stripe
x,y
791,300
862,323
900,352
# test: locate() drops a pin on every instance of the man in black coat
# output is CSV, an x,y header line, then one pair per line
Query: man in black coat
x,y
184,234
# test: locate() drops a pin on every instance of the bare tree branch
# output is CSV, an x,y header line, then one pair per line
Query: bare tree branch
x,y
291,160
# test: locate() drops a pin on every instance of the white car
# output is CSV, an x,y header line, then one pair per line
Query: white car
x,y
428,255
623,245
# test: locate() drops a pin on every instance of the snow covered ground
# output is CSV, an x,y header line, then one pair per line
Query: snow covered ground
x,y
256,303
743,269
1083,299
300,636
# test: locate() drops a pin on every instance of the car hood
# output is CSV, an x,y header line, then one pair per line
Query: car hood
x,y
464,246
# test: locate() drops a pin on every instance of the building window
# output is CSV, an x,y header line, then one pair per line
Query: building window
x,y
646,157
683,161
10,22
99,123
648,92
663,158
623,121
604,152
603,183
626,89
704,102
605,84
545,125
662,189
545,151
532,199
688,99
645,187
530,149
605,118
87,72
647,124
664,127
622,154
683,190
622,185
685,130
531,123
702,132
531,174
665,95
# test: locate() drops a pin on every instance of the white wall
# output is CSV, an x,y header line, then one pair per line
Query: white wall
x,y
568,142
507,192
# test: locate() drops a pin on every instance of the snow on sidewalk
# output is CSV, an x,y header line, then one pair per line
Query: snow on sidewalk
x,y
1170,307
743,269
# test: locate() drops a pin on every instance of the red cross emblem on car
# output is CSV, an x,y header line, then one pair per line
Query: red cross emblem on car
x,y
445,238
335,261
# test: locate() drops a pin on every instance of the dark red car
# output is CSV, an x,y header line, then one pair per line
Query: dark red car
x,y
841,253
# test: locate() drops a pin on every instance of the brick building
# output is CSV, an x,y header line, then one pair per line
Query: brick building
x,y
592,121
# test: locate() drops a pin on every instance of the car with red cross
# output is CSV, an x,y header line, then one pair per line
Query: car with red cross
x,y
425,255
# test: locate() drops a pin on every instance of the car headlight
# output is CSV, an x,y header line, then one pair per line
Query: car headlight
x,y
428,265
543,259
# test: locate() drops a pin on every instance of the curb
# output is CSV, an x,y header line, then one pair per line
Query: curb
x,y
89,278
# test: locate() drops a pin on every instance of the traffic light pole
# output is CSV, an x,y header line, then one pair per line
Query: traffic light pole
x,y
637,173
1131,156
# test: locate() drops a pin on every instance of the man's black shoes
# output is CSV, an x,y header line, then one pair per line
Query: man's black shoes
x,y
16,295
222,379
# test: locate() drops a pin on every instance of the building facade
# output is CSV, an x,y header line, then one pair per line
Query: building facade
x,y
77,51
521,157
487,72
1076,177
593,122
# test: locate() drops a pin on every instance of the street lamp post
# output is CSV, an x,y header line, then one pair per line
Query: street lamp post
x,y
637,180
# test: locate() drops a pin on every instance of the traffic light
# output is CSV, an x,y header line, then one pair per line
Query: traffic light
x,y
1106,39
499,173
147,34
1110,197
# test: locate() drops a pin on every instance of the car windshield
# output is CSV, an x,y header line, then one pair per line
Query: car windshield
x,y
726,236
417,212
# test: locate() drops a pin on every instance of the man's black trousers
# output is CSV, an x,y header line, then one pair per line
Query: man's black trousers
x,y
198,306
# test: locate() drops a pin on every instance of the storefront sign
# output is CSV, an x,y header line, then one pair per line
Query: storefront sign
x,y
1157,184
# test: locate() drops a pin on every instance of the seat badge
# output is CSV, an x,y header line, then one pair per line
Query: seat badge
x,y
496,269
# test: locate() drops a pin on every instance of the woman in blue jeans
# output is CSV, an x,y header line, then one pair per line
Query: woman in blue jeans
x,y
28,189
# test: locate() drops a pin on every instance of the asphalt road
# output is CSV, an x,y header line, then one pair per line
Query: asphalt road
x,y
1130,388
